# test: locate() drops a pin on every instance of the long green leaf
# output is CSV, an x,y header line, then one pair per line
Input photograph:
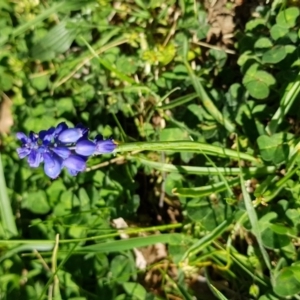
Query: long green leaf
x,y
108,65
64,6
8,220
291,94
207,102
206,240
128,244
184,146
164,167
179,101
254,223
205,190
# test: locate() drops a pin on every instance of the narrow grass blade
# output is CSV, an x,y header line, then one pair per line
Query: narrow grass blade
x,y
8,220
217,293
164,167
78,63
50,243
64,6
184,292
254,223
245,268
273,191
291,94
179,101
184,146
123,134
57,40
181,125
205,190
70,252
108,66
206,240
128,244
207,102
40,246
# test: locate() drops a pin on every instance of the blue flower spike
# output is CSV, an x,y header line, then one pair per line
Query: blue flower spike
x,y
62,147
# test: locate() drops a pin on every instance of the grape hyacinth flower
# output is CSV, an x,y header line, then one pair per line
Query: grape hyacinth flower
x,y
62,147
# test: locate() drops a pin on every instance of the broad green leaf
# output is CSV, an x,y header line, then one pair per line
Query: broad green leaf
x,y
37,202
286,283
56,41
280,229
135,290
207,213
269,296
287,18
274,55
258,82
64,105
263,43
127,65
253,24
40,81
273,148
278,32
271,239
171,134
120,268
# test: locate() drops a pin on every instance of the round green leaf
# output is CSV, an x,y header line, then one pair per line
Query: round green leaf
x,y
263,43
254,24
286,284
37,202
64,105
278,32
127,65
40,82
258,82
135,290
268,296
120,268
287,18
296,270
6,81
273,148
279,229
274,55
207,213
272,240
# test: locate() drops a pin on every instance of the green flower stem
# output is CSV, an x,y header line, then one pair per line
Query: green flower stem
x,y
185,146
